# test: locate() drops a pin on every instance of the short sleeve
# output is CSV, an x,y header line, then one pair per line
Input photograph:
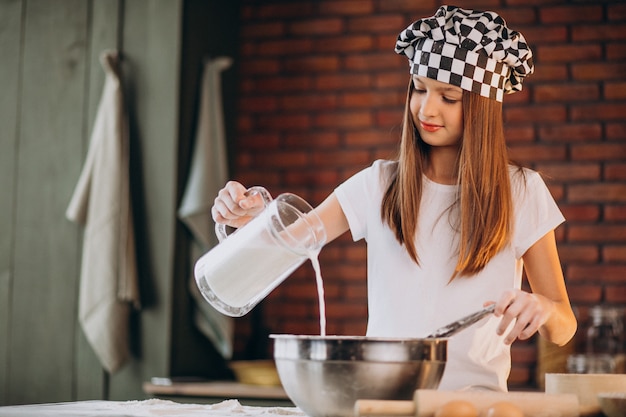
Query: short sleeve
x,y
360,196
536,212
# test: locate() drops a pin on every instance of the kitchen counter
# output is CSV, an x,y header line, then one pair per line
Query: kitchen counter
x,y
146,408
216,391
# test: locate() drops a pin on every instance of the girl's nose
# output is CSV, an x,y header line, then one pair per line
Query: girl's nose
x,y
428,107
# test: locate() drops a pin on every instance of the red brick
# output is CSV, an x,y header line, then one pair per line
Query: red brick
x,y
606,273
349,273
598,151
616,130
614,253
549,72
615,213
568,53
518,16
339,310
519,97
262,30
386,42
600,233
278,10
570,14
285,159
259,66
370,138
310,64
347,119
261,104
346,7
599,192
601,71
312,140
279,47
587,294
615,90
615,51
342,81
571,132
300,102
598,111
569,172
415,9
519,133
356,291
581,212
389,118
256,141
543,34
384,153
599,32
244,123
344,157
613,172
617,11
571,254
390,23
248,174
316,26
396,79
282,84
535,114
566,92
615,294
532,2
372,99
375,61
343,43
284,122
534,153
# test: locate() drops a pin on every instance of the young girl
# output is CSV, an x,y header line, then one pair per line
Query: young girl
x,y
451,224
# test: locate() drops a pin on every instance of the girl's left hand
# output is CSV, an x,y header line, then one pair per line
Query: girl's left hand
x,y
529,311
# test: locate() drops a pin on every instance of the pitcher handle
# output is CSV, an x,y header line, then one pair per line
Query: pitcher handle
x,y
222,231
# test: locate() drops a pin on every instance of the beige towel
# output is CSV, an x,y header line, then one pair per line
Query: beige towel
x,y
209,173
101,203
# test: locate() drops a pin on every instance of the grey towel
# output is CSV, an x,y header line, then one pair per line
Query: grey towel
x,y
101,203
209,173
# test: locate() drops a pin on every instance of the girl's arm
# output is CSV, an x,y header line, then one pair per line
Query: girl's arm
x,y
547,309
233,207
331,214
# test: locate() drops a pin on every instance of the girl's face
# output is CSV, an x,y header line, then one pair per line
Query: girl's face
x,y
437,111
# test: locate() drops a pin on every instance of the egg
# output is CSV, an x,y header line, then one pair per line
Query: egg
x,y
504,409
457,408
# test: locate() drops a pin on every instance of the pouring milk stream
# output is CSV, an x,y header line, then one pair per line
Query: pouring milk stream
x,y
249,263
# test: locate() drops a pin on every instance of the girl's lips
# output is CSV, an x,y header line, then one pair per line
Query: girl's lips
x,y
429,127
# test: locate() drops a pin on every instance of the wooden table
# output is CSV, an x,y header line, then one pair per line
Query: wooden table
x,y
209,392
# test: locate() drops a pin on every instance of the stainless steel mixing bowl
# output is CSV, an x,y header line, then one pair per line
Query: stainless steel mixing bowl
x,y
325,375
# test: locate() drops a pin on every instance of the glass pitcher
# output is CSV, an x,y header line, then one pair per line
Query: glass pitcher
x,y
249,263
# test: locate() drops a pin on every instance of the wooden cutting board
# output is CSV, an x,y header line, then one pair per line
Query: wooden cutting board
x,y
426,402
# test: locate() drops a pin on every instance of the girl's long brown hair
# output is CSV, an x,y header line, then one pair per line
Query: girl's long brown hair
x,y
484,194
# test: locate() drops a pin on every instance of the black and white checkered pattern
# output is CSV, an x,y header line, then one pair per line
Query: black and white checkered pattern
x,y
471,49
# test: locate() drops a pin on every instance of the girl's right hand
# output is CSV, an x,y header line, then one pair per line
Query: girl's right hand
x,y
234,207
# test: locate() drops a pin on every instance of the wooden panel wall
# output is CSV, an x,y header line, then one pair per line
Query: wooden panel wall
x,y
51,82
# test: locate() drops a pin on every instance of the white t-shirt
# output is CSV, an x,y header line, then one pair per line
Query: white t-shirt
x,y
407,300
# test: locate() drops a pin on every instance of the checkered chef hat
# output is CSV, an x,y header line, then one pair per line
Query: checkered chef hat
x,y
471,49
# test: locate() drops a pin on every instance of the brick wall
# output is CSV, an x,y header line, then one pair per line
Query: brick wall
x,y
321,96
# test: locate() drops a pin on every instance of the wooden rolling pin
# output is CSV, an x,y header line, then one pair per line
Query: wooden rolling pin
x,y
426,402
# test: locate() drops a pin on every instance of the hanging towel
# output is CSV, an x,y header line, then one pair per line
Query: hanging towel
x,y
209,173
101,204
